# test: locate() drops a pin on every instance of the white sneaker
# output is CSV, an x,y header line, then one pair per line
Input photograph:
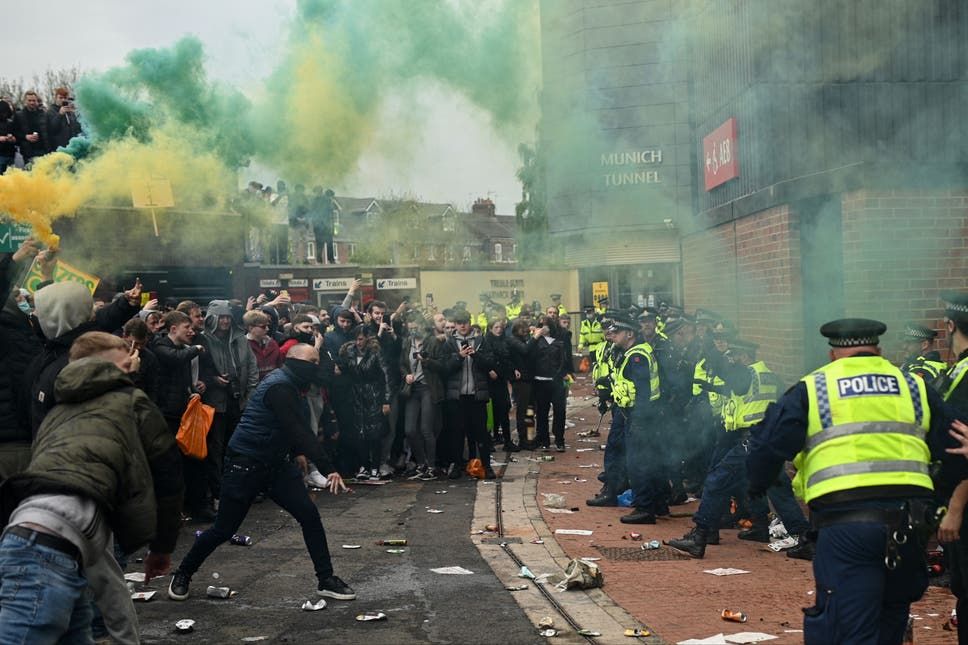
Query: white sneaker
x,y
316,479
362,474
374,475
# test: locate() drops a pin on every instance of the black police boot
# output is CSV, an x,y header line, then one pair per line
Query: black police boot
x,y
712,538
638,516
804,550
759,532
693,543
604,498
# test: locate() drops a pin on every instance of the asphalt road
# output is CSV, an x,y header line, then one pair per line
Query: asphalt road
x,y
274,577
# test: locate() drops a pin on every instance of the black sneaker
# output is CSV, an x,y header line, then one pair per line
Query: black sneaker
x,y
428,475
456,472
178,587
333,587
756,533
559,446
489,474
512,447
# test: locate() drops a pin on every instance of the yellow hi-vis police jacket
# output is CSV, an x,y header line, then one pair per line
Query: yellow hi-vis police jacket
x,y
745,411
866,426
590,334
623,389
716,400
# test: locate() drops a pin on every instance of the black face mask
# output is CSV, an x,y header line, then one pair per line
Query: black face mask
x,y
305,337
305,373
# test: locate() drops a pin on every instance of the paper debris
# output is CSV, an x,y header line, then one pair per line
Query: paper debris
x,y
584,449
309,605
581,532
452,571
588,465
525,573
351,546
725,572
559,510
517,587
254,639
718,639
137,576
782,544
143,596
537,541
434,511
749,637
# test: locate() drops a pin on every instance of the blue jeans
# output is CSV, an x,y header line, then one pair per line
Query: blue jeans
x,y
42,595
858,599
242,481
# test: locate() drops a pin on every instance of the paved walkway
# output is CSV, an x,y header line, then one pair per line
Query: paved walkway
x,y
670,594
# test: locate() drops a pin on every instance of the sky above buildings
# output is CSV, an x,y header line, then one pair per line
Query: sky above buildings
x,y
453,153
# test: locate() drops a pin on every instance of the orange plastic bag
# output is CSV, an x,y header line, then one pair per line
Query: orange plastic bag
x,y
194,427
584,365
475,468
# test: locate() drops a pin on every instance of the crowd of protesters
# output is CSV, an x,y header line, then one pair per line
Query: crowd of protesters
x,y
33,129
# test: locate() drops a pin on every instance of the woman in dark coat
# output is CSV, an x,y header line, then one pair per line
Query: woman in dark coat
x,y
522,377
496,343
361,360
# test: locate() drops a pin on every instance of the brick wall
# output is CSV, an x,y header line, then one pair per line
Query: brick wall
x,y
901,248
748,271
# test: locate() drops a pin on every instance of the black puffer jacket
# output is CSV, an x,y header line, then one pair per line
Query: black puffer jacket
x,y
547,359
481,363
519,353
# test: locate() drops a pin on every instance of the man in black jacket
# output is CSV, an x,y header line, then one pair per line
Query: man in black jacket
x,y
467,395
175,386
547,350
30,128
62,123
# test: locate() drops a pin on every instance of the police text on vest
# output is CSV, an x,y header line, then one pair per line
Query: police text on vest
x,y
868,385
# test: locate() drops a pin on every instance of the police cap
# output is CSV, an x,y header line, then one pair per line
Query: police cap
x,y
622,323
650,312
853,332
603,301
914,331
675,325
743,345
955,304
588,309
460,304
707,316
556,296
484,297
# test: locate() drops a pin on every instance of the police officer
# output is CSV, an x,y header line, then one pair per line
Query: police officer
x,y
590,333
953,532
862,435
601,305
751,387
481,319
513,308
635,391
919,358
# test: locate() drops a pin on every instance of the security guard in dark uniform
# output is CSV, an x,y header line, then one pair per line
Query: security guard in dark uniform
x,y
862,435
919,358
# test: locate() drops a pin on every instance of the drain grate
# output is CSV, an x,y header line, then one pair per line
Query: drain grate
x,y
501,540
626,554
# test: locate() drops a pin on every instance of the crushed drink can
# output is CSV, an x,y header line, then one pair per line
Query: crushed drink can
x,y
392,543
185,626
547,458
241,540
638,632
635,537
651,546
218,592
371,615
734,616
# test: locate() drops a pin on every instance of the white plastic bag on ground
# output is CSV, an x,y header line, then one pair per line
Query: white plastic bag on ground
x,y
777,530
554,500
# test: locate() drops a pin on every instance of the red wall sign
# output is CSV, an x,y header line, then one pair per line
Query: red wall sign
x,y
720,152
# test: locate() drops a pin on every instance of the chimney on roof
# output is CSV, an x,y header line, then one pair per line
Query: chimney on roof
x,y
483,206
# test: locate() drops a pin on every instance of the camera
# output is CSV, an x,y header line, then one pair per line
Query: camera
x,y
417,355
422,353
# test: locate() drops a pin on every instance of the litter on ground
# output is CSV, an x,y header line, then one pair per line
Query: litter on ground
x,y
728,571
452,571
